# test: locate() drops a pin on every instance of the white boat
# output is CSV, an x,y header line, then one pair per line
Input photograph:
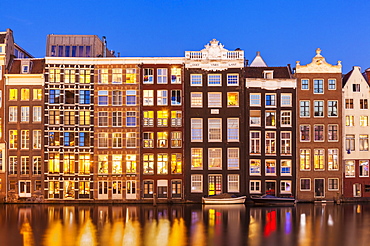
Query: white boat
x,y
223,200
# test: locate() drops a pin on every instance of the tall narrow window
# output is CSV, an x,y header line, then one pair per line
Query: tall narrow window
x,y
232,158
196,158
305,159
196,129
304,108
270,143
214,158
175,97
286,143
255,142
162,76
148,76
130,118
319,160
232,130
318,86
148,119
214,130
130,76
162,97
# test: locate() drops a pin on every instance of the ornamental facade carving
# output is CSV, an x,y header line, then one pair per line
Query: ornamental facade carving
x,y
318,65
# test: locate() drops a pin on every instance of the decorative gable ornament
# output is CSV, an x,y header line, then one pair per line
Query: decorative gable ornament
x,y
214,57
318,65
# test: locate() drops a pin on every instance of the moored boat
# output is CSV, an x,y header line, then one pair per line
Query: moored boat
x,y
224,199
269,199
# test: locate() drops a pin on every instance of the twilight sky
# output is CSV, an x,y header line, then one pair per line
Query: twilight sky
x,y
283,30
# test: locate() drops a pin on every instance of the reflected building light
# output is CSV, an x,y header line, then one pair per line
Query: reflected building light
x,y
330,220
87,235
117,233
150,232
131,234
26,231
358,208
197,235
163,232
303,220
288,222
178,233
53,235
211,217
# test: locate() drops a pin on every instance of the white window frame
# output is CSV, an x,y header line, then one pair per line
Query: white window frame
x,y
214,79
233,183
214,99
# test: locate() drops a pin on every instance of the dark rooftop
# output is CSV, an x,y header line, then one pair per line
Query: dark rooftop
x,y
37,66
2,38
279,72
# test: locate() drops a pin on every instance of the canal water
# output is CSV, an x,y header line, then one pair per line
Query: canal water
x,y
134,225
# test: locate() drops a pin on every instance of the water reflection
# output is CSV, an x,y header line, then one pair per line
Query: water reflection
x,y
80,225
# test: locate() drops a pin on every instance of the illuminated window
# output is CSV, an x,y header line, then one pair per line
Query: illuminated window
x,y
54,138
176,118
214,99
131,140
233,79
116,164
195,79
148,98
25,94
148,76
13,94
196,129
232,158
117,76
148,140
350,143
161,75
162,97
305,159
255,167
117,140
364,120
54,163
130,76
103,164
162,118
37,94
176,139
84,119
255,142
350,120
162,163
36,165
196,99
13,139
148,163
130,163
175,75
148,119
69,76
25,139
214,158
214,79
233,99
103,76
333,162
286,143
54,75
364,168
84,76
270,119
233,183
349,169
25,165
319,161
214,130
84,189
176,164
286,167
13,165
196,158
13,113
162,139
69,163
270,143
270,167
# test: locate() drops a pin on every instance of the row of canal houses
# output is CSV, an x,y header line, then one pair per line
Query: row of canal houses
x,y
83,125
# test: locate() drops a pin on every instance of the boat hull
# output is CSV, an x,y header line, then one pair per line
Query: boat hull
x,y
272,200
229,200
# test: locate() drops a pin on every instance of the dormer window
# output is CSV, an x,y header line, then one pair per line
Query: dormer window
x,y
356,87
25,69
268,74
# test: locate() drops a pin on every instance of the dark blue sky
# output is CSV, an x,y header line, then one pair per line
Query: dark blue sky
x,y
283,30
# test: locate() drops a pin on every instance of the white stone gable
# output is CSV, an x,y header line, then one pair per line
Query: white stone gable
x,y
319,65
